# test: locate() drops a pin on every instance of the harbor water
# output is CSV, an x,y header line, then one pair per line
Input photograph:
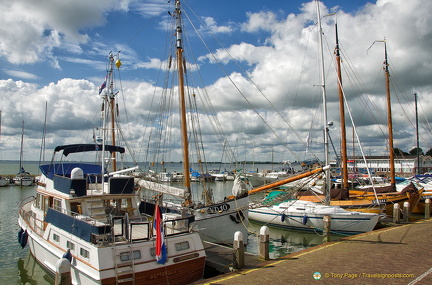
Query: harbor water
x,y
18,266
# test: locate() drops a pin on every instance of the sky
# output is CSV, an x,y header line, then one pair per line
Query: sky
x,y
258,62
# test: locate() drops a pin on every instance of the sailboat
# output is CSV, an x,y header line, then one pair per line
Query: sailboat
x,y
299,214
215,221
388,194
23,178
86,217
375,199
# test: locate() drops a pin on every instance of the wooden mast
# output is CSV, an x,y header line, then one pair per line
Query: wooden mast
x,y
389,117
342,116
183,122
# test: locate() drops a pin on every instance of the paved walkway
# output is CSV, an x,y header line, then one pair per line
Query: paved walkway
x,y
401,254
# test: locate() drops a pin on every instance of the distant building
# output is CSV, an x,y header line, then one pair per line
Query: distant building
x,y
379,165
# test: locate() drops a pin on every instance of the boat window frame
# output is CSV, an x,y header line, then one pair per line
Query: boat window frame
x,y
56,237
184,245
84,253
57,204
70,245
127,256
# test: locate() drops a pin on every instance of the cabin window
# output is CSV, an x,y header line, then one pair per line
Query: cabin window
x,y
84,253
182,246
70,245
126,256
57,205
56,238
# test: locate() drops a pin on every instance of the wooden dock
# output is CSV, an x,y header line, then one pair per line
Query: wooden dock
x,y
220,258
399,254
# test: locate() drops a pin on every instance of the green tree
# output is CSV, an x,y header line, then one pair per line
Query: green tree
x,y
399,152
416,151
429,152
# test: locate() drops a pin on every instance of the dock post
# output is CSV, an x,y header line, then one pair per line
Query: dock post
x,y
264,242
63,274
427,208
238,251
327,223
396,214
406,211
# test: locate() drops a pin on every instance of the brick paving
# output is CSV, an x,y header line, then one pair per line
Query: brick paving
x,y
401,254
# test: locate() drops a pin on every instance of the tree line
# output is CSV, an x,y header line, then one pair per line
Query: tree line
x,y
414,151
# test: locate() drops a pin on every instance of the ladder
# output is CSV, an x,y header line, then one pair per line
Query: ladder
x,y
124,270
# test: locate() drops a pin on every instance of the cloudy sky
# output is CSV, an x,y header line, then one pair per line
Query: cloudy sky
x,y
254,65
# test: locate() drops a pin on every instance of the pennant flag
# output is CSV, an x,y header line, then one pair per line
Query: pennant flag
x,y
308,141
102,87
161,254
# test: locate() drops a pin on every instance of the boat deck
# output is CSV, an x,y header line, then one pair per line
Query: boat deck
x,y
394,255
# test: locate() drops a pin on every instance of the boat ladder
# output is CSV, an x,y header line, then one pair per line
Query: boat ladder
x,y
124,262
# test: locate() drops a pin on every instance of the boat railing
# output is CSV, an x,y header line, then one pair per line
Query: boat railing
x,y
36,225
26,201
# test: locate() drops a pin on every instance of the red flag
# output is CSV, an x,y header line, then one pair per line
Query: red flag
x,y
161,254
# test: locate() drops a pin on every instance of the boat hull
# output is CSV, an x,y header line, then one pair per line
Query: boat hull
x,y
183,266
304,216
219,222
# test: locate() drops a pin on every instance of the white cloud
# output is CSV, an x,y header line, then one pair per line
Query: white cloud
x,y
211,25
31,30
21,74
282,63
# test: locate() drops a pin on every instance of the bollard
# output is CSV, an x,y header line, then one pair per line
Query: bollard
x,y
396,213
406,211
63,272
427,208
264,243
238,251
327,223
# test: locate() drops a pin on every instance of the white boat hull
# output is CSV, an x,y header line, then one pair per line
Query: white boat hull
x,y
100,268
19,181
219,222
309,216
4,181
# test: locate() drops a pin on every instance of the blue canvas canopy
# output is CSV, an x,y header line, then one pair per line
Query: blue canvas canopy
x,y
73,148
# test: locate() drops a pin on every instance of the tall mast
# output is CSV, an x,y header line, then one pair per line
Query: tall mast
x,y
111,98
389,117
22,144
342,115
417,136
183,122
324,97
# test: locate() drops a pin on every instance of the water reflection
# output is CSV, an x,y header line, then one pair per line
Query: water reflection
x,y
30,272
285,241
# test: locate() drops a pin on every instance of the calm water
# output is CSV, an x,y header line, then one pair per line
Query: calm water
x,y
17,266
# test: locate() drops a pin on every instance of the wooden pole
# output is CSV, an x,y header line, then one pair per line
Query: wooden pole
x,y
406,211
264,242
396,213
63,274
427,208
327,223
238,251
